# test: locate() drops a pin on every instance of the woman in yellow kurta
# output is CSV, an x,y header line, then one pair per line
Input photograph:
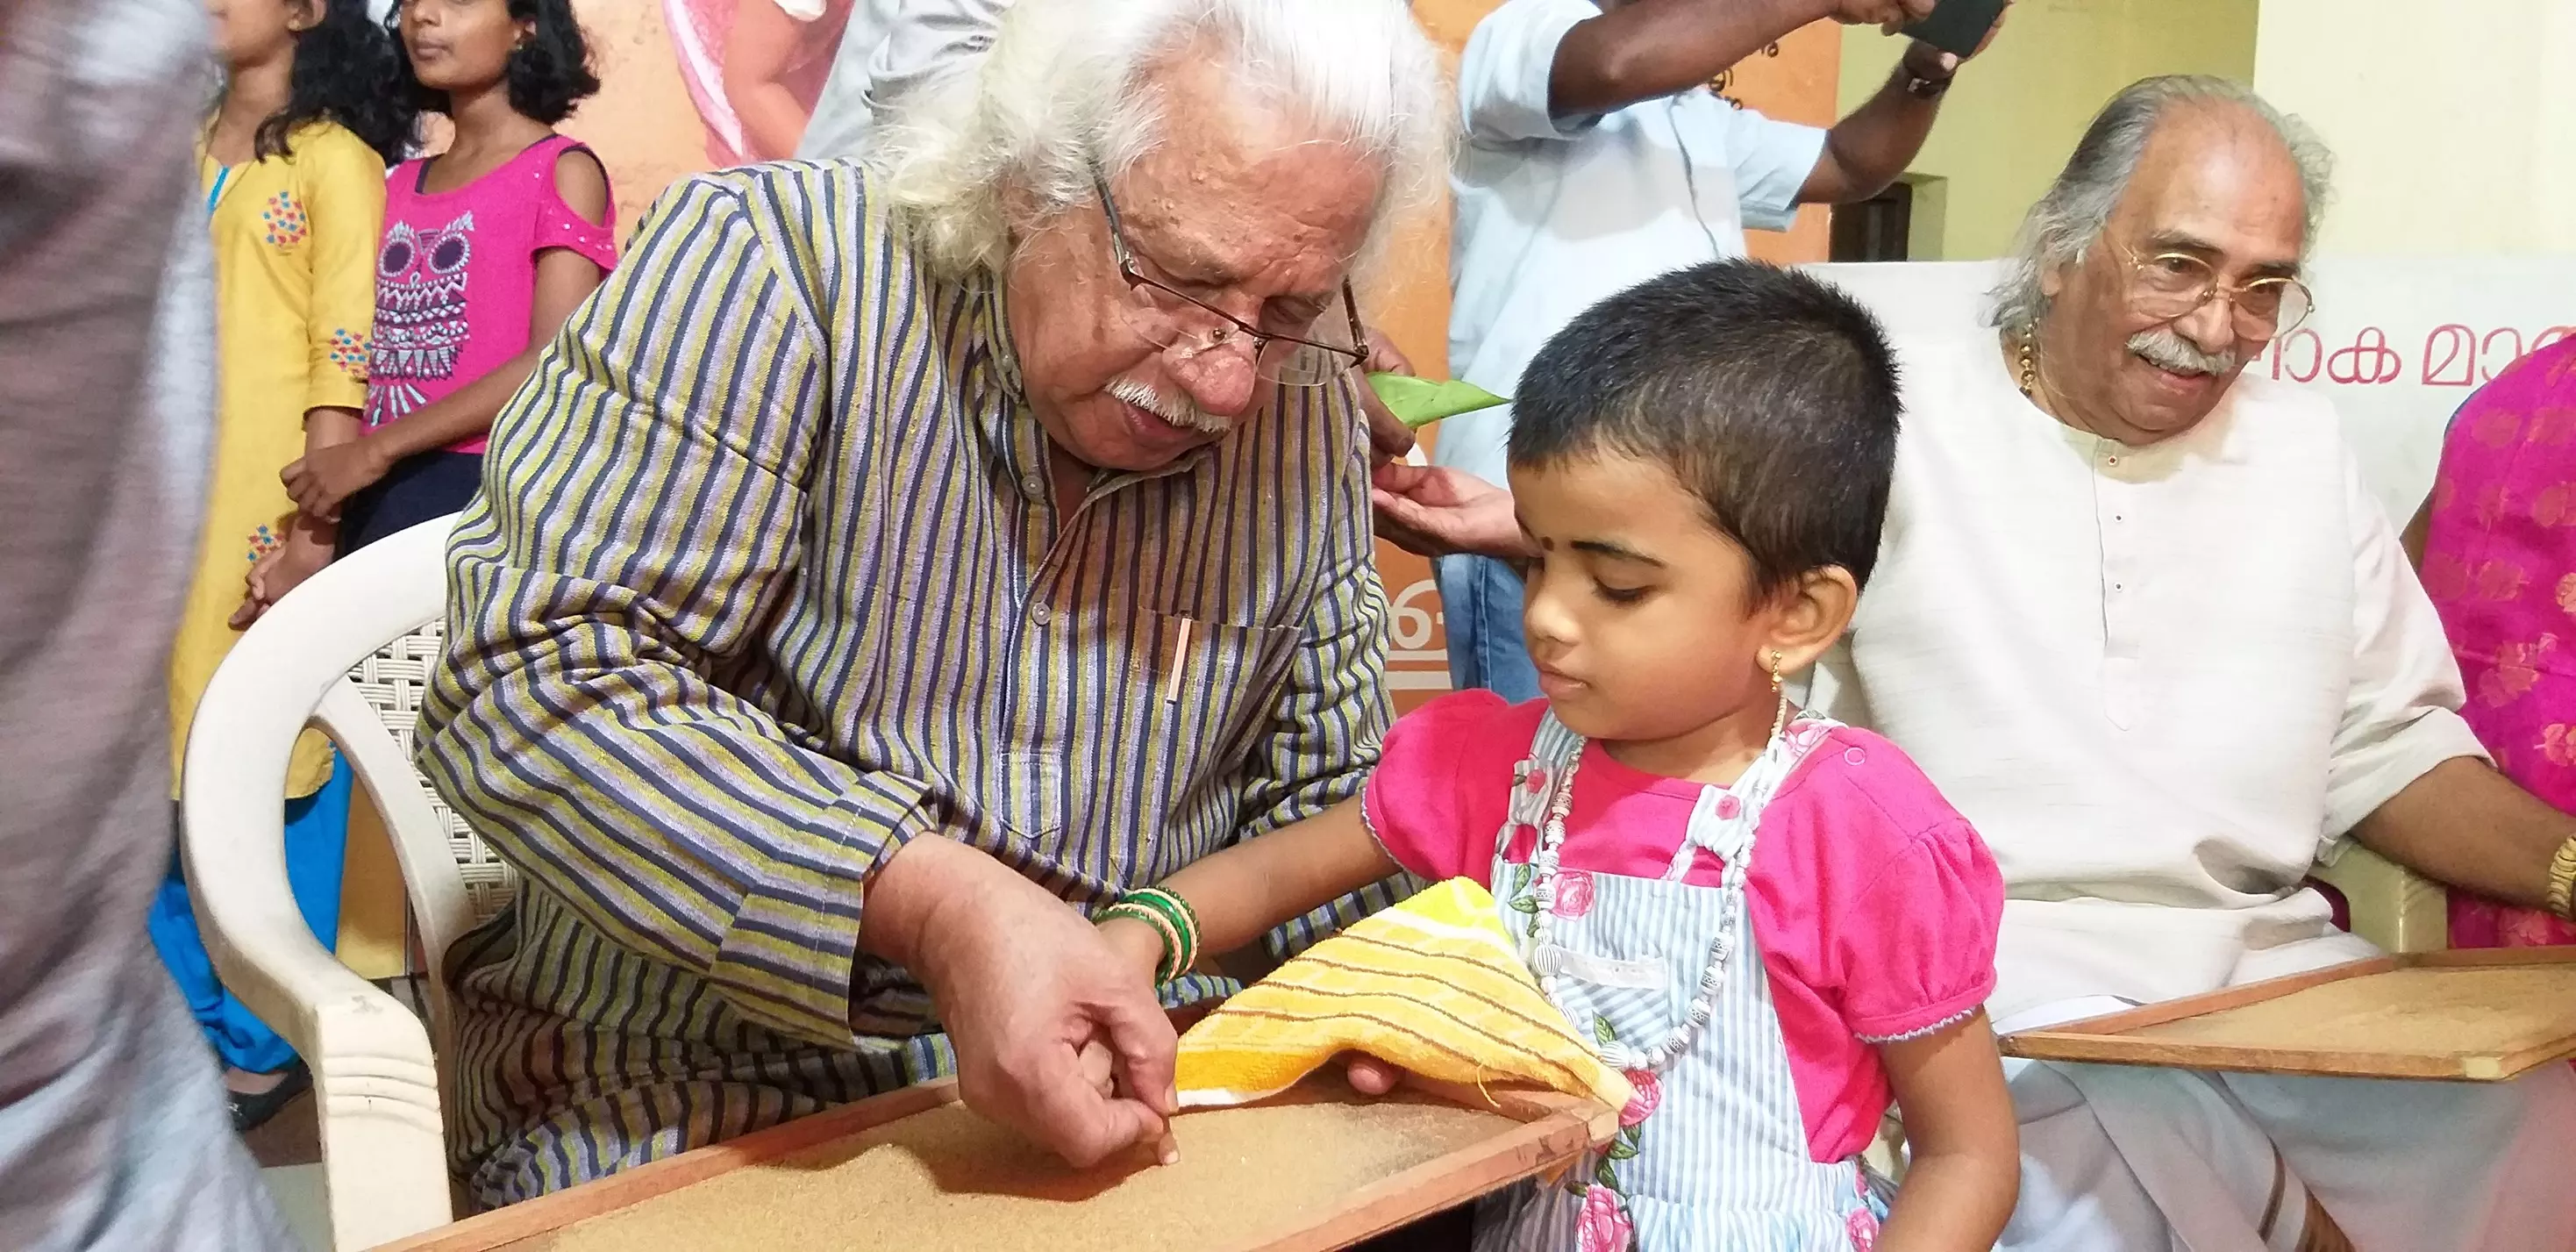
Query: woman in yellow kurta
x,y
293,169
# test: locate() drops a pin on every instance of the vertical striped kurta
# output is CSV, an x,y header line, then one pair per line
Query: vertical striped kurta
x,y
767,578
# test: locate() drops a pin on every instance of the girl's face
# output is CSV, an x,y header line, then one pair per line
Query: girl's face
x,y
252,32
460,45
1640,614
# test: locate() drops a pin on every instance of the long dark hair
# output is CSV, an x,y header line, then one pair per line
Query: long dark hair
x,y
548,74
346,71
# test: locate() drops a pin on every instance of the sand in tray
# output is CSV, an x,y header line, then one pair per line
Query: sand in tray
x,y
949,1181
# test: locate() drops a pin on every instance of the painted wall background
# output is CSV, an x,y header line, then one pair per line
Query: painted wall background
x,y
2016,111
2453,124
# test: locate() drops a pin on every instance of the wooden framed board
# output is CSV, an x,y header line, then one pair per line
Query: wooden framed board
x,y
1313,1169
2475,1015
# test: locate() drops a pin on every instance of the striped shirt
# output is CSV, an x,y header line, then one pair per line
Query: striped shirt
x,y
767,578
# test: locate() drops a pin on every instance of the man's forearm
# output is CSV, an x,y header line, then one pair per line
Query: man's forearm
x,y
1867,150
1651,48
2471,827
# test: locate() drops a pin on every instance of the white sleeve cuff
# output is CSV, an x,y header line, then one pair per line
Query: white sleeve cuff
x,y
2363,778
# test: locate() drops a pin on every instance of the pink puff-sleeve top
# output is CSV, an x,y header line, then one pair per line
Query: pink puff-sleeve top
x,y
1875,906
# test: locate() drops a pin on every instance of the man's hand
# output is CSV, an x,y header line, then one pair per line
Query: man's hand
x,y
1887,15
324,477
1389,437
1432,510
1922,60
1026,986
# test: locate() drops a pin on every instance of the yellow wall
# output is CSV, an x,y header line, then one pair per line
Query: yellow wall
x,y
2007,126
2453,123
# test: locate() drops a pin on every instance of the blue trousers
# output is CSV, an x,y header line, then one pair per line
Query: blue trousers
x,y
317,841
1480,601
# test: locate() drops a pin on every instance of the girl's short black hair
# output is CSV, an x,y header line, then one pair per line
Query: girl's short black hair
x,y
346,71
548,75
1770,395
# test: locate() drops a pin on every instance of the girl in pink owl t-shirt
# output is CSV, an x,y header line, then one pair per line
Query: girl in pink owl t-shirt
x,y
488,247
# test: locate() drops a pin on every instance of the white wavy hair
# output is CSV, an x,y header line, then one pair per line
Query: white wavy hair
x,y
2065,223
1063,89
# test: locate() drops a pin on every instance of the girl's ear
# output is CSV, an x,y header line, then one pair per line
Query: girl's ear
x,y
304,15
1810,615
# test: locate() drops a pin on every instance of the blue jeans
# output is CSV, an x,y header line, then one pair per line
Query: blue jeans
x,y
317,839
1480,598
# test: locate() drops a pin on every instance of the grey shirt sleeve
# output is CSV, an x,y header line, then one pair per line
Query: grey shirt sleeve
x,y
891,51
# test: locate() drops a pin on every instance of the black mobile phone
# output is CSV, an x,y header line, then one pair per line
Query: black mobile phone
x,y
1957,26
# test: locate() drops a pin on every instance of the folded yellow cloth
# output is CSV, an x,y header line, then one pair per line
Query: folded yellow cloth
x,y
1433,985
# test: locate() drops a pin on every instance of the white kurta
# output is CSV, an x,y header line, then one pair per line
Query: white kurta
x,y
2163,682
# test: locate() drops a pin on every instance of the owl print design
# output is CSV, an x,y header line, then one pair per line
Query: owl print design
x,y
420,313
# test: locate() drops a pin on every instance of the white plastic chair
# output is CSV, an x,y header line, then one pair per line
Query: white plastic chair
x,y
373,619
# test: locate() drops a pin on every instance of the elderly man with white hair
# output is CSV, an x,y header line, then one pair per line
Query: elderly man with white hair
x,y
894,561
2139,618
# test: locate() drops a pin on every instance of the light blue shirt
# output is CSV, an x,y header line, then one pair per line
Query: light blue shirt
x,y
1552,214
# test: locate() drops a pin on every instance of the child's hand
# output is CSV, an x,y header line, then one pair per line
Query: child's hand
x,y
1136,943
326,476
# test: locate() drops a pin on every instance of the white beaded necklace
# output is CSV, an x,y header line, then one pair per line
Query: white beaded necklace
x,y
1703,1003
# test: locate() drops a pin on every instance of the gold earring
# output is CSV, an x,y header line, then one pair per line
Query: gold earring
x,y
1779,720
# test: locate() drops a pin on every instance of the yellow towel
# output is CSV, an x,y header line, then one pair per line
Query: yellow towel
x,y
1433,985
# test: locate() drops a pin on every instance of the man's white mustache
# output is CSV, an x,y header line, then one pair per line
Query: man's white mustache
x,y
2165,349
1176,410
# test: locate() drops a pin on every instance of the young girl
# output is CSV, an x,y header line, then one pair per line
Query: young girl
x,y
487,249
2496,543
293,172
1769,921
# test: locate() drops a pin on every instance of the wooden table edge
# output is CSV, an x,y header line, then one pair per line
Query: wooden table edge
x,y
485,1232
2093,1040
1548,1120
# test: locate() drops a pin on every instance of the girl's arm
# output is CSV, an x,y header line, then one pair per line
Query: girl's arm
x,y
564,279
344,210
1964,1142
1250,889
758,54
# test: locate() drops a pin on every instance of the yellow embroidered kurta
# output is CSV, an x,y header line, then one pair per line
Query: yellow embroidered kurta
x,y
295,245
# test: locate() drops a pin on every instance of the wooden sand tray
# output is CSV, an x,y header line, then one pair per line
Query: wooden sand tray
x,y
1314,1169
2478,1015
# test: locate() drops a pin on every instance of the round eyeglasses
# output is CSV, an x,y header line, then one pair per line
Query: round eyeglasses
x,y
1176,321
2167,285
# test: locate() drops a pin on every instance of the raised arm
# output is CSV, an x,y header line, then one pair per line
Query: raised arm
x,y
1866,150
1650,48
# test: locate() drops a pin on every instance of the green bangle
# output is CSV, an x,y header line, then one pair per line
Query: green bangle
x,y
1168,967
1170,915
1183,918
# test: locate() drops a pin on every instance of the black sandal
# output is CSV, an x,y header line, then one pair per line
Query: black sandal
x,y
253,1111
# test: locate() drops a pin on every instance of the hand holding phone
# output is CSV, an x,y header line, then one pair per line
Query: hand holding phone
x,y
1959,27
1886,14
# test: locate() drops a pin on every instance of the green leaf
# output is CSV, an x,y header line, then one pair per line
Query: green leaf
x,y
1521,877
1526,904
1633,1134
1418,402
1603,1031
1608,1177
1621,1150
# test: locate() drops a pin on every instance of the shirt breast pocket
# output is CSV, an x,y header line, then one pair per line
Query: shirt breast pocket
x,y
1210,692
